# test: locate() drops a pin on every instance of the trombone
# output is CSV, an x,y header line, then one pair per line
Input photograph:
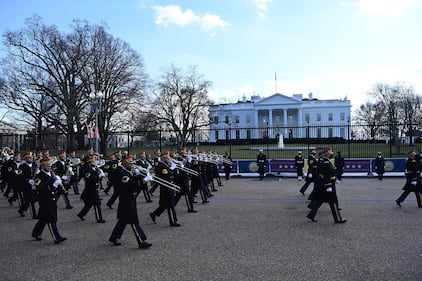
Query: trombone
x,y
180,165
148,176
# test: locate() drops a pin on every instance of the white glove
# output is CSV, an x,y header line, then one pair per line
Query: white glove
x,y
70,170
31,181
330,189
148,178
413,183
173,166
101,175
189,159
136,172
57,183
310,176
65,178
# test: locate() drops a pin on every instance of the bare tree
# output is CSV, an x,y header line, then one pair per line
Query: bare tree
x,y
181,101
370,117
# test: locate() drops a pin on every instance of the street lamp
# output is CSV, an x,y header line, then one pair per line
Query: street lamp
x,y
96,98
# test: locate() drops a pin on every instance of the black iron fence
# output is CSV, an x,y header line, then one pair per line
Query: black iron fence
x,y
354,141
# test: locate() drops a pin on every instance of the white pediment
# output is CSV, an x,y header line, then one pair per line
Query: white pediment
x,y
278,99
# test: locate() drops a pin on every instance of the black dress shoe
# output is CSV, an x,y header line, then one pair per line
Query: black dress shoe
x,y
342,221
115,242
205,201
101,221
303,193
35,217
175,224
152,216
144,245
21,213
108,205
398,203
192,211
60,240
69,207
149,201
312,219
37,238
81,217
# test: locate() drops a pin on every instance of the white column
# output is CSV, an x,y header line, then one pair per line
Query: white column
x,y
299,121
270,117
286,132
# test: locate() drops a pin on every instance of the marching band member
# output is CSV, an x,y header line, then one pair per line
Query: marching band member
x,y
6,172
13,172
143,185
325,188
182,180
26,179
113,173
310,176
413,180
46,184
60,168
126,210
299,163
74,163
197,182
155,161
164,170
90,194
215,173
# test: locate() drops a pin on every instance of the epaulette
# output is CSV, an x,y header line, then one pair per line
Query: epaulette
x,y
164,171
125,179
87,175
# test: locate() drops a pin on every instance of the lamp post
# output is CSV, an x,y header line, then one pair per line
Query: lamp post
x,y
96,98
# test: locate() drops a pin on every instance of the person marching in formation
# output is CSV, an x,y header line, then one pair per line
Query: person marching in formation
x,y
310,176
197,183
126,211
74,163
47,186
13,171
339,165
164,170
60,168
113,173
299,163
90,195
26,178
261,159
155,161
143,185
216,174
413,180
182,180
325,188
227,165
380,166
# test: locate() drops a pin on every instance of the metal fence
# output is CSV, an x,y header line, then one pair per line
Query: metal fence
x,y
354,141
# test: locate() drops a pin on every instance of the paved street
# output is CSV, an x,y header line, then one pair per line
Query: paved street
x,y
251,230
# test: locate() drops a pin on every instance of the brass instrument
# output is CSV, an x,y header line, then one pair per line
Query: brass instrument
x,y
181,166
148,176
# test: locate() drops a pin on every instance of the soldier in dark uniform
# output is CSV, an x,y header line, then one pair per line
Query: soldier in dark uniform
x,y
325,188
47,184
167,197
90,195
413,180
26,180
299,163
380,166
261,160
310,176
339,165
60,169
74,163
227,165
126,211
5,172
155,161
182,180
113,173
13,174
197,183
143,185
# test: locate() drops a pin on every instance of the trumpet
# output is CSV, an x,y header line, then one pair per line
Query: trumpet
x,y
151,177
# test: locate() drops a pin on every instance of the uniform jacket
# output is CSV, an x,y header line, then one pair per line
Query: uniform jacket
x,y
127,211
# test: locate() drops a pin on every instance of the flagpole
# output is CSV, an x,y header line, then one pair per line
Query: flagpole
x,y
275,80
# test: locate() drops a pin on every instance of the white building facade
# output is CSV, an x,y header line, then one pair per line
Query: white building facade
x,y
293,117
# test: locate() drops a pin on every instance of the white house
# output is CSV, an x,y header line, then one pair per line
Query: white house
x,y
295,117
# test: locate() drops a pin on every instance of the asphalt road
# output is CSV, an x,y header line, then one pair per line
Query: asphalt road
x,y
251,230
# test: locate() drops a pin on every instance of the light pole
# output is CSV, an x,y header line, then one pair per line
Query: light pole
x,y
96,98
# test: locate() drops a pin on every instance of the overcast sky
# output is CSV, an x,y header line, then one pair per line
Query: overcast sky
x,y
332,48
